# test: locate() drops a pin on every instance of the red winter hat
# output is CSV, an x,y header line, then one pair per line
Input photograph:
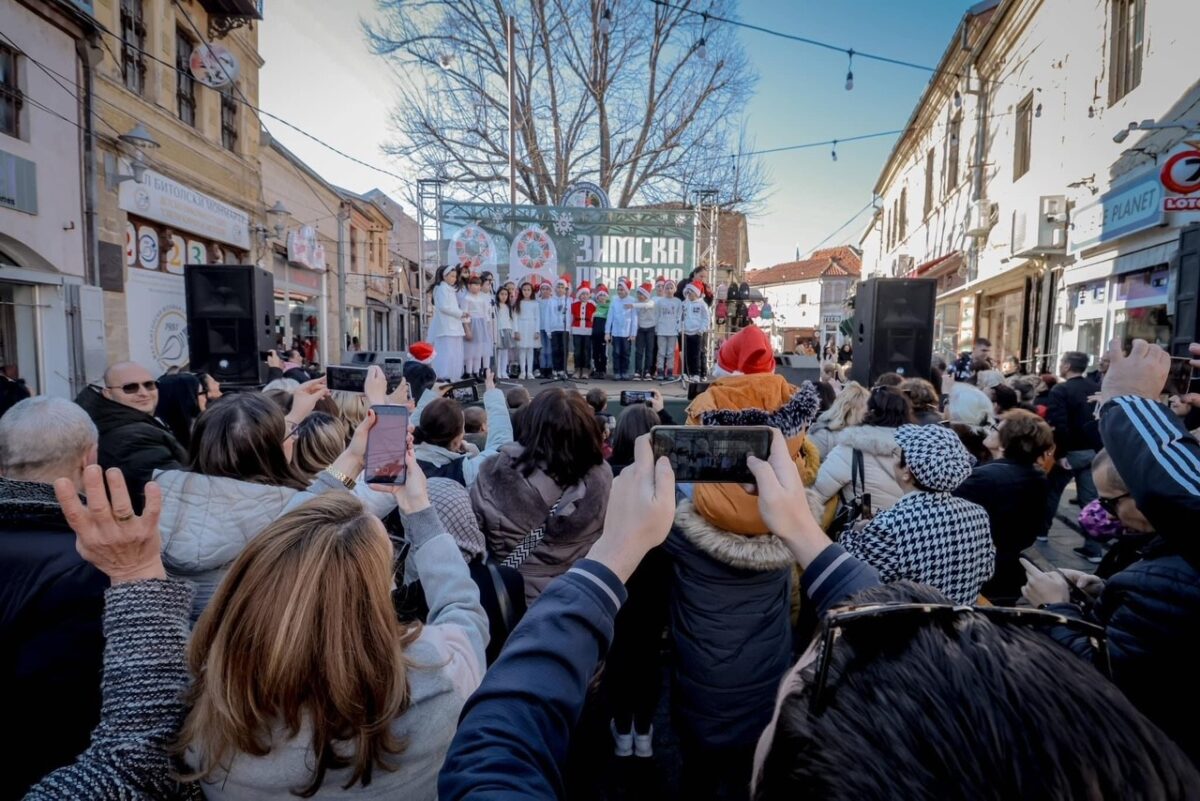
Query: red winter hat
x,y
624,280
584,286
646,289
747,352
601,289
421,352
564,280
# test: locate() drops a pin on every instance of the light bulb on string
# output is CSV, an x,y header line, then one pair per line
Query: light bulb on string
x,y
606,22
850,71
702,48
833,153
1037,112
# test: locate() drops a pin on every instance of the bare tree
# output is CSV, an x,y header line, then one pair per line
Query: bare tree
x,y
650,110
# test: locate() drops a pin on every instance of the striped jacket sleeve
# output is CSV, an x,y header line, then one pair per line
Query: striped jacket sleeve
x,y
1158,460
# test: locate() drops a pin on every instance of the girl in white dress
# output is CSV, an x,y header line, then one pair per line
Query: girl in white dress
x,y
526,328
446,328
478,351
505,328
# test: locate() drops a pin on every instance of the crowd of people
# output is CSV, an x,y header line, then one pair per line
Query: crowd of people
x,y
537,328
202,597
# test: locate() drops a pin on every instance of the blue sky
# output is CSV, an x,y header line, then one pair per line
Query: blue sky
x,y
314,53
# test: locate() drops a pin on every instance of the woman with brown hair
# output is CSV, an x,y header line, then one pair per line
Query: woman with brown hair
x,y
239,477
924,399
319,440
541,500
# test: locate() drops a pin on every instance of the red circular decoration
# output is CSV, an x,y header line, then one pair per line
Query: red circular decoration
x,y
1181,173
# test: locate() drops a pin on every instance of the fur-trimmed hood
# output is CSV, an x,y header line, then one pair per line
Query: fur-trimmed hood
x,y
875,440
767,552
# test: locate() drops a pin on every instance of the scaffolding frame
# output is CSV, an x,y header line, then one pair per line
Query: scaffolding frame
x,y
429,223
707,236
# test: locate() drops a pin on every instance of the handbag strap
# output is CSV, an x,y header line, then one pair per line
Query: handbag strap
x,y
519,554
507,614
858,479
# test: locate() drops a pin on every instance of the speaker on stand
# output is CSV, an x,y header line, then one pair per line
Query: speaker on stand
x,y
231,321
893,328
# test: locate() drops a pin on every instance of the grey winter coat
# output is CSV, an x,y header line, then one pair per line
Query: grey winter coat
x,y
881,460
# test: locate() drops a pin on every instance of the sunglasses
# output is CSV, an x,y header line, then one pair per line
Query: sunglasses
x,y
838,621
130,389
1110,504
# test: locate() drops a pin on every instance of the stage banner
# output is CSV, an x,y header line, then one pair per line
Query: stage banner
x,y
588,244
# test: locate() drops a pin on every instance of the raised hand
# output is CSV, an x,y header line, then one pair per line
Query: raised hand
x,y
783,505
375,386
641,508
305,399
122,545
413,495
1143,372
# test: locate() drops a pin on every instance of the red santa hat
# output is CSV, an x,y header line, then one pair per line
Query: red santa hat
x,y
691,287
624,280
421,352
646,289
584,286
670,284
601,289
563,280
747,352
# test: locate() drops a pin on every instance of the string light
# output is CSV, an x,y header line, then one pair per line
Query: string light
x,y
833,153
850,71
606,21
702,43
1037,112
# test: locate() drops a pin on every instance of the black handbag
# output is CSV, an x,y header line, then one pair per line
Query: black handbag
x,y
857,511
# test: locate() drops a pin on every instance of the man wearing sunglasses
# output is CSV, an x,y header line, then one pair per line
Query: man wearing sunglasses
x,y
131,437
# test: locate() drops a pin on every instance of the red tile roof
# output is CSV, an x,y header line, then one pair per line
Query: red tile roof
x,y
839,261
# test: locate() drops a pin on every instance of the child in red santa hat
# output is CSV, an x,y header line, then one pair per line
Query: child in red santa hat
x,y
583,312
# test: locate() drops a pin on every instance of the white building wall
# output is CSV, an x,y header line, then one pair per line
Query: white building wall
x,y
796,305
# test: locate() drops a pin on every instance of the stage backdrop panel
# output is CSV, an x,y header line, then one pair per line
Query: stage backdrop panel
x,y
589,244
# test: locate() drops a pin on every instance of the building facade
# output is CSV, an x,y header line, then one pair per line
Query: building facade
x,y
1016,189
51,320
404,256
185,187
369,279
807,297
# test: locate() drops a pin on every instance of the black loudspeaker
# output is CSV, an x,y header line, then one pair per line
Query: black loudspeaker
x,y
893,328
231,321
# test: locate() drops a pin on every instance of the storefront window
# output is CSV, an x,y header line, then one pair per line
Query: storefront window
x,y
18,327
1143,284
945,331
1090,339
1000,321
1145,322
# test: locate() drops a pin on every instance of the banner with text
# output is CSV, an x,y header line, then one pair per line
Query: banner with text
x,y
588,244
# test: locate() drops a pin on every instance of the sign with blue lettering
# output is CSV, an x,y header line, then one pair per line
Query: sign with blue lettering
x,y
1133,206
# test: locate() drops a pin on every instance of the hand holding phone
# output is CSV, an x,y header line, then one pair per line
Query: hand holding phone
x,y
1044,588
631,396
387,446
711,454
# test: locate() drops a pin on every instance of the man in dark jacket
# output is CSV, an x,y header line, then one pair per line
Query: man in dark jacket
x,y
1070,412
1151,607
1013,491
131,437
51,601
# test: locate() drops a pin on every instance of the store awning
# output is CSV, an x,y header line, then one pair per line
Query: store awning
x,y
939,266
991,283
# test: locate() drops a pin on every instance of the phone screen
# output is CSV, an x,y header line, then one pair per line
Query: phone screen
x,y
711,454
387,443
632,396
1179,379
464,392
345,379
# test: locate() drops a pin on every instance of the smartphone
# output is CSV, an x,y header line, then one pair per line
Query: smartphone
x,y
464,391
711,454
1179,379
387,444
348,378
631,396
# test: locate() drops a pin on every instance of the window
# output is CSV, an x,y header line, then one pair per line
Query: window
x,y
928,182
1023,137
804,298
10,93
1128,25
229,120
952,155
903,214
353,250
185,87
133,42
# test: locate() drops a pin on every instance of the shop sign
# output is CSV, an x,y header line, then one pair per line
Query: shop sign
x,y
305,249
586,195
1181,172
167,201
1133,206
18,183
831,318
588,244
156,306
213,65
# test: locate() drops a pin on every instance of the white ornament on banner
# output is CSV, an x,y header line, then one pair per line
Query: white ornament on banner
x,y
175,255
147,248
533,254
197,252
473,246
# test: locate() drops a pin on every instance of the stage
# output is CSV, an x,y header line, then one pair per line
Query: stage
x,y
674,394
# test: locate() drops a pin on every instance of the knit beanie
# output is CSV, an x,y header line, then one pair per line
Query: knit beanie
x,y
935,456
745,353
453,506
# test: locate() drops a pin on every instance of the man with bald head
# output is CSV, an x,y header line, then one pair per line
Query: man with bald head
x,y
131,437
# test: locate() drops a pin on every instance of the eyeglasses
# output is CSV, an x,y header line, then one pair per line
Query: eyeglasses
x,y
915,614
130,389
1110,504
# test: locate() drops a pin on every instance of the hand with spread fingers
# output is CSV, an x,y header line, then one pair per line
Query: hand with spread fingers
x,y
305,398
122,545
1143,372
783,505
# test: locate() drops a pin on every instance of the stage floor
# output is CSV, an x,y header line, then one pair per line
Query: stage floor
x,y
675,390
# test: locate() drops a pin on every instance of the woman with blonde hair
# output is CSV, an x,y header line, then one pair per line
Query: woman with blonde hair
x,y
352,407
305,682
848,410
319,440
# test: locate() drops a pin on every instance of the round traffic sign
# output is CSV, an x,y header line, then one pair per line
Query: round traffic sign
x,y
1181,173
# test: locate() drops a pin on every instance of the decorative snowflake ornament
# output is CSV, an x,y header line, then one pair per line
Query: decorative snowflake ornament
x,y
563,224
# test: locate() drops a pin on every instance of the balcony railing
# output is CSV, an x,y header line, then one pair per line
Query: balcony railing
x,y
226,15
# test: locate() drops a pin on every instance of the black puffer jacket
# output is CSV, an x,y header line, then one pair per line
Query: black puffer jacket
x,y
131,440
729,618
51,641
